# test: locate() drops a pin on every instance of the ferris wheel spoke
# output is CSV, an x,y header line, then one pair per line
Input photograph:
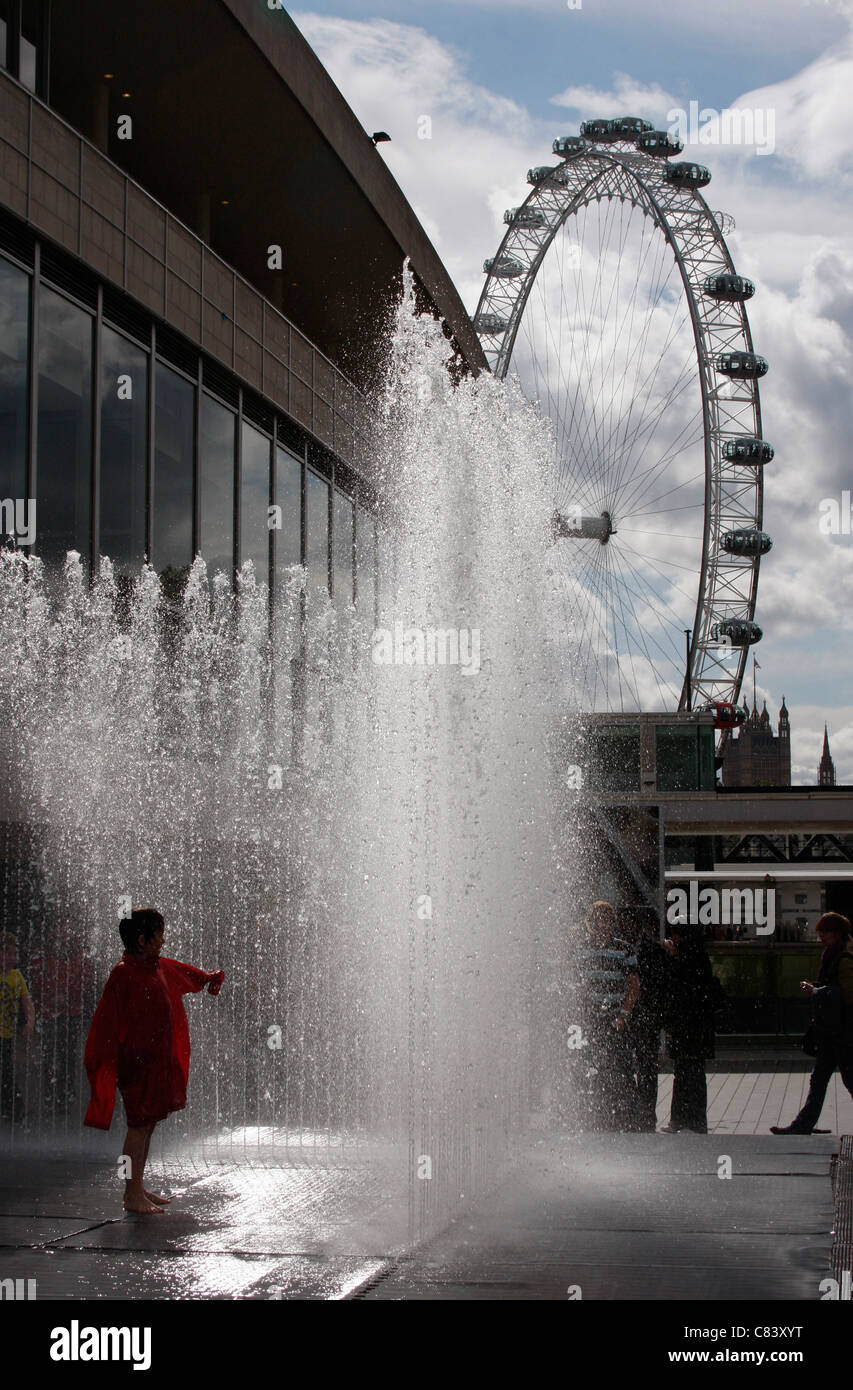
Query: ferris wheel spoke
x,y
596,449
641,387
646,594
650,419
643,481
626,596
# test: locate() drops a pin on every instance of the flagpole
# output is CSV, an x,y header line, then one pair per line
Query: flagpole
x,y
754,696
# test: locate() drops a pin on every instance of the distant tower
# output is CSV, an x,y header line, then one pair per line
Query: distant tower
x,y
756,757
826,767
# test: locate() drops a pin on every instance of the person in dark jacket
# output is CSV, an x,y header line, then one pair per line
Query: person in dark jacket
x,y
832,1004
647,1019
692,1002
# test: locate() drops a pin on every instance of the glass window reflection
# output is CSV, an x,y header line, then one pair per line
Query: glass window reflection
x,y
216,484
255,502
174,438
64,463
288,496
14,378
342,531
317,531
124,450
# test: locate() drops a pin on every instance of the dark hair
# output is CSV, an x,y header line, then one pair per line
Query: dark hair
x,y
833,921
144,922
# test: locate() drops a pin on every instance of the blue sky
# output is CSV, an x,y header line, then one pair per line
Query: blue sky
x,y
499,78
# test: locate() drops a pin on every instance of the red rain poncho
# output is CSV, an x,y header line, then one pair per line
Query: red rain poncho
x,y
140,1039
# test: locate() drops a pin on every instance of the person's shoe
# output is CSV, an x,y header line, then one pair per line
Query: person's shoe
x,y
788,1129
670,1129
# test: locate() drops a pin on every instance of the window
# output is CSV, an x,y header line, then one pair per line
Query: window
x,y
216,486
317,531
63,477
174,438
31,30
343,541
677,758
613,753
14,379
288,496
801,899
4,33
255,501
124,450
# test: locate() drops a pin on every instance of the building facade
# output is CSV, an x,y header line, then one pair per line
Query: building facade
x,y
199,248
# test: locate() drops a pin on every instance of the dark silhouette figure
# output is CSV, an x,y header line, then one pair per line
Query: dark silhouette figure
x,y
832,1006
647,1020
693,998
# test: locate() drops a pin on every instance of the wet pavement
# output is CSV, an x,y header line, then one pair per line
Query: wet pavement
x,y
609,1217
639,1217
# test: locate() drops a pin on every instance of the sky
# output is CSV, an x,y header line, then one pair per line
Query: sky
x,y
500,78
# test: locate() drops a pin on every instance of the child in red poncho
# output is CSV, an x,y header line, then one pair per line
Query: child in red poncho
x,y
140,1041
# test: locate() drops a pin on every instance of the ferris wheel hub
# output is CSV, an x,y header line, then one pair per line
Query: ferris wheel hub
x,y
571,525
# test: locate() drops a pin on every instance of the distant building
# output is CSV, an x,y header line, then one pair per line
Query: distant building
x,y
826,766
756,757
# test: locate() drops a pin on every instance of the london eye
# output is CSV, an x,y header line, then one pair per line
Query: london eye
x,y
614,298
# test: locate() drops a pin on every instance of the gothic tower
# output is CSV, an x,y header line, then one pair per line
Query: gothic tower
x,y
826,767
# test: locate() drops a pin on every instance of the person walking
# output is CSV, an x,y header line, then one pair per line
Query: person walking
x,y
832,1007
693,997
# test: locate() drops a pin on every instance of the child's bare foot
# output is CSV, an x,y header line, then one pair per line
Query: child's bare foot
x,y
139,1202
158,1198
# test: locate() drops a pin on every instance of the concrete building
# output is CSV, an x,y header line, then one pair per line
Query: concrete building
x,y
199,247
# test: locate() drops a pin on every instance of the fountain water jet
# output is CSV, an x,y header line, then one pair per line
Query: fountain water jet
x,y
354,818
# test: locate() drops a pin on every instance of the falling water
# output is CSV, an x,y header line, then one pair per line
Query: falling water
x,y
361,834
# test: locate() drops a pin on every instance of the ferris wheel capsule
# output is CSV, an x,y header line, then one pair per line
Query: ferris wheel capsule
x,y
524,217
688,175
659,143
740,632
542,173
601,131
743,366
629,127
503,267
746,542
568,144
490,323
734,289
746,449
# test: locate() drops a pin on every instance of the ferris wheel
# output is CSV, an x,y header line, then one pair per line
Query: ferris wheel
x,y
614,299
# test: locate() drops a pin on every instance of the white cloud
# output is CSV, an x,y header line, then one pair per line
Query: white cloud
x,y
626,96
